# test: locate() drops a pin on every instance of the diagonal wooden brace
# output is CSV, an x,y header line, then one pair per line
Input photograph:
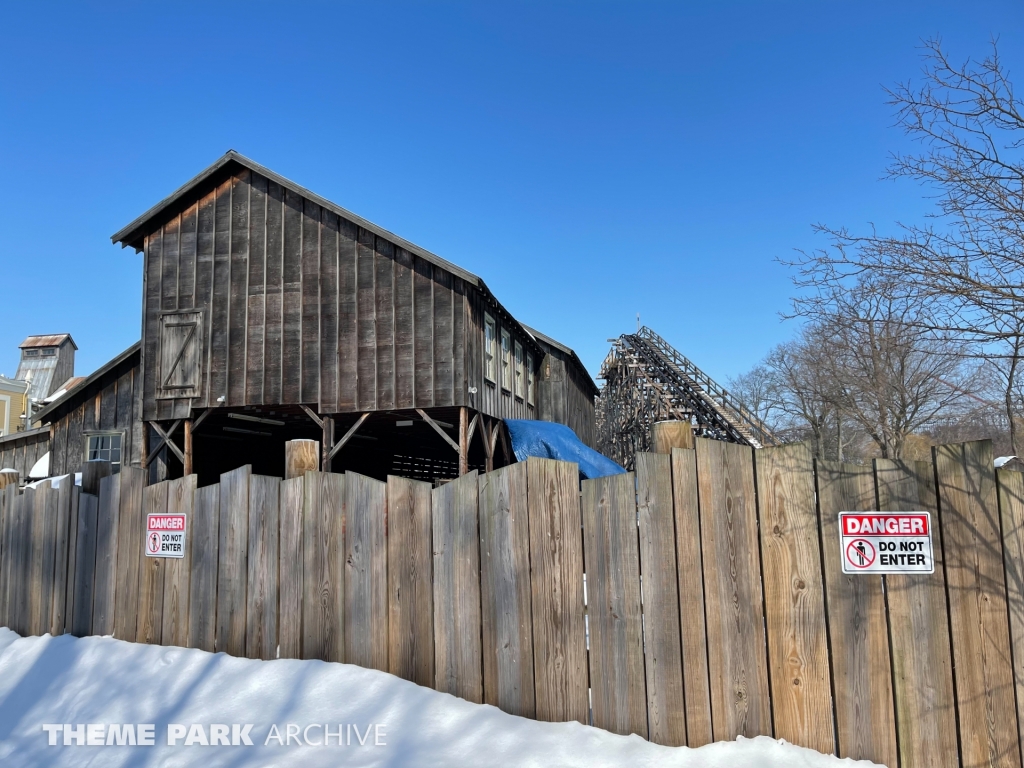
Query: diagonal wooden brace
x,y
437,428
348,436
165,439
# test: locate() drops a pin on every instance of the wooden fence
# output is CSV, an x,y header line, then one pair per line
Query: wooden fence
x,y
696,600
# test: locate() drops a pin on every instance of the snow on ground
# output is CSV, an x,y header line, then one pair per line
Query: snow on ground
x,y
101,682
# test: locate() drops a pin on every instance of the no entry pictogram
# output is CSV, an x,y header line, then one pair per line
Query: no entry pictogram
x,y
860,553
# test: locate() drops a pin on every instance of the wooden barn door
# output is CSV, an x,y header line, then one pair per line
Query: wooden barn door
x,y
181,354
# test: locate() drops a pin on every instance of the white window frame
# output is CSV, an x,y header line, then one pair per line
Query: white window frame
x,y
490,349
506,360
520,382
115,467
531,381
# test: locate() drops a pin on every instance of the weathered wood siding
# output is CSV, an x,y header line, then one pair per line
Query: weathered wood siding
x,y
109,404
23,449
565,394
299,305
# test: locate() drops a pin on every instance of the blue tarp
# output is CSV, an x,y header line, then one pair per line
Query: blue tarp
x,y
545,440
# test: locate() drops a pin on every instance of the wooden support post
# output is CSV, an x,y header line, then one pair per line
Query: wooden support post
x,y
328,443
188,447
92,473
463,440
485,438
8,477
666,435
144,453
300,457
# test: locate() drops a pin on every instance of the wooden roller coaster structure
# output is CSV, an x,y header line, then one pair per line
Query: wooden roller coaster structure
x,y
647,381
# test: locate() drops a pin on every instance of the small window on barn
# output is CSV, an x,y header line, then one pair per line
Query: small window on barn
x,y
490,349
531,381
48,352
31,353
104,446
520,382
506,360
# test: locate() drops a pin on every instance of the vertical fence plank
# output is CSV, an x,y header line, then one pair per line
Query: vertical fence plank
x,y
263,559
968,510
794,591
85,565
290,570
5,552
922,669
556,556
202,600
152,571
410,596
458,657
666,709
1011,510
131,527
58,622
41,563
231,560
20,581
858,628
8,567
696,686
50,537
737,659
106,555
323,590
181,494
612,552
69,597
366,572
505,591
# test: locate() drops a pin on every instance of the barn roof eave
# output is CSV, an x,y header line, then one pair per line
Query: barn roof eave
x,y
83,385
133,235
569,351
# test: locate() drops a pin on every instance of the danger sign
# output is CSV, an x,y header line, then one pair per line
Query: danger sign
x,y
886,542
165,535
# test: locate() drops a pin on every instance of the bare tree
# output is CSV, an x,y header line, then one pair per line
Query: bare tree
x,y
886,370
966,263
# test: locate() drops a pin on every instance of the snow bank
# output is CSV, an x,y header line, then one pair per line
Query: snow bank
x,y
101,681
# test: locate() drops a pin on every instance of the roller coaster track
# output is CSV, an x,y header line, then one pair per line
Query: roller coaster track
x,y
647,380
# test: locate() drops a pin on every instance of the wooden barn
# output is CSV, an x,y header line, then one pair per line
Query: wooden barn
x,y
271,314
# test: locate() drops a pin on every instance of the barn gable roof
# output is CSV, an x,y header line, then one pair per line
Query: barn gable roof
x,y
75,392
134,234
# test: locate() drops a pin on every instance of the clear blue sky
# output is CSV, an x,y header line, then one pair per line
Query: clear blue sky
x,y
589,160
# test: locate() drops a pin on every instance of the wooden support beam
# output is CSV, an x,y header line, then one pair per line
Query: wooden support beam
x,y
472,429
485,438
165,439
463,440
201,418
348,435
327,445
493,439
437,428
312,414
188,447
